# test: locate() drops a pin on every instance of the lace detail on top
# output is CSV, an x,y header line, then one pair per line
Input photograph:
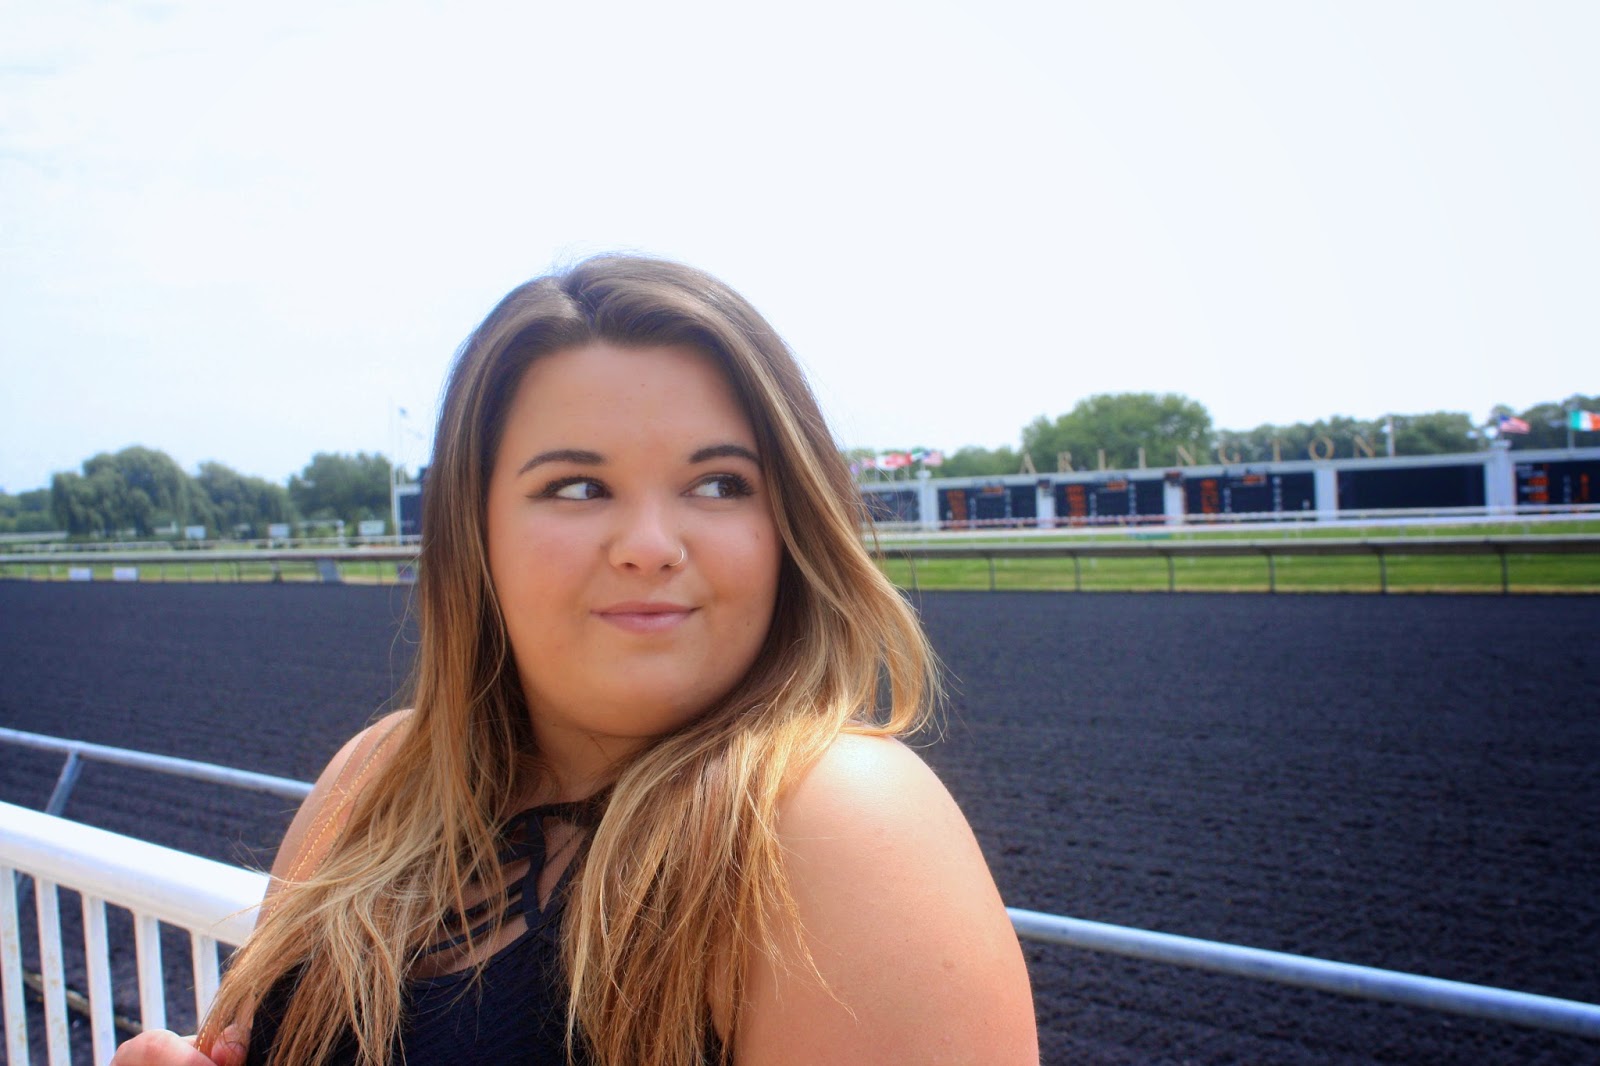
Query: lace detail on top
x,y
523,840
517,1013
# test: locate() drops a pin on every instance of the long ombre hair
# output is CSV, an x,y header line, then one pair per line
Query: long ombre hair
x,y
682,883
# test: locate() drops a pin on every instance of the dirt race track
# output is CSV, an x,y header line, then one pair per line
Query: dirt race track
x,y
1404,782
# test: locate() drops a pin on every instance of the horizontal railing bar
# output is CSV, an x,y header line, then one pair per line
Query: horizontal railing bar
x,y
1136,526
159,556
199,894
1576,544
384,548
286,787
1153,545
1365,982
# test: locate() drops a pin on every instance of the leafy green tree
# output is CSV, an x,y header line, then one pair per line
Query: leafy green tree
x,y
1337,435
1436,433
1121,424
973,461
26,512
156,492
243,505
348,487
1433,433
135,491
1255,445
83,506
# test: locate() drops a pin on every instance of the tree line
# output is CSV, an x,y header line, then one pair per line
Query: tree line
x,y
1166,429
141,492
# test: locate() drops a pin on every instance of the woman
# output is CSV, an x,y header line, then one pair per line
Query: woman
x,y
647,807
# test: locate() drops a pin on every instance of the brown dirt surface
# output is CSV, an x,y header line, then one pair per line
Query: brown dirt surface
x,y
1402,782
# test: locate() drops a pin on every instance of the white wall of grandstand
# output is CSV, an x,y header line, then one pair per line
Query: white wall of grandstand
x,y
1497,482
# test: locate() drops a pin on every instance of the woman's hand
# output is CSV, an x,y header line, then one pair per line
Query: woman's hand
x,y
159,1047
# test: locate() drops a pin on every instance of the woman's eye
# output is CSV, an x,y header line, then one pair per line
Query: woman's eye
x,y
575,489
722,487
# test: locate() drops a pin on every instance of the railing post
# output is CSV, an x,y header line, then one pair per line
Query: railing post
x,y
47,905
64,785
152,982
97,962
207,976
16,1018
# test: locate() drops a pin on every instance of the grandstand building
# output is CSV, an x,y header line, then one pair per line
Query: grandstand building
x,y
1494,481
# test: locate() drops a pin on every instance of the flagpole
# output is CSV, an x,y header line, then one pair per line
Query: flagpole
x,y
1570,420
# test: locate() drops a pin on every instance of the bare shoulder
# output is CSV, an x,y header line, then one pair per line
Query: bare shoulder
x,y
914,958
865,780
326,807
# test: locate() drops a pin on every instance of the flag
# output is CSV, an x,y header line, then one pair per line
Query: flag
x,y
1585,421
894,460
1512,424
933,458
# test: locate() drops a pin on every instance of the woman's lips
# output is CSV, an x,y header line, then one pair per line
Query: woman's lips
x,y
644,617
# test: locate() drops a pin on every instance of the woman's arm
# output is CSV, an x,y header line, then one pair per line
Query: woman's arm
x,y
327,808
320,817
917,958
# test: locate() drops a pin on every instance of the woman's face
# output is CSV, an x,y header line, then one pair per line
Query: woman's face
x,y
631,545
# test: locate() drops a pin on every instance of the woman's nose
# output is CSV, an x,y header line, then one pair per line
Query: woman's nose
x,y
646,539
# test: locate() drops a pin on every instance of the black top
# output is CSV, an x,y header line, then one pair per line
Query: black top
x,y
518,1012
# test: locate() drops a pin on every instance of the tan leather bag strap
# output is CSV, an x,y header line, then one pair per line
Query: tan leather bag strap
x,y
335,811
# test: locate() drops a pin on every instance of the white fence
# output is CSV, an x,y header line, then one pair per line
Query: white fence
x,y
216,904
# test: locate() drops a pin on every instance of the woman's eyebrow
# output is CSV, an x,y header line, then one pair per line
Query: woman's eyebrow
x,y
724,451
563,455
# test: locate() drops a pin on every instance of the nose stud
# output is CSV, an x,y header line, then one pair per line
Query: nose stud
x,y
684,554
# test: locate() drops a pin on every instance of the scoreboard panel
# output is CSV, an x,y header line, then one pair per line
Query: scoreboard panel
x,y
1562,482
1024,502
897,506
1389,488
989,505
1250,492
410,507
1110,500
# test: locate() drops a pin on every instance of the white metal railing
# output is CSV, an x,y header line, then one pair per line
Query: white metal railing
x,y
1341,978
931,548
78,750
214,902
1383,549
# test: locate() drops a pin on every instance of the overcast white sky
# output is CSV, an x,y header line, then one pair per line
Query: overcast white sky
x,y
250,232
